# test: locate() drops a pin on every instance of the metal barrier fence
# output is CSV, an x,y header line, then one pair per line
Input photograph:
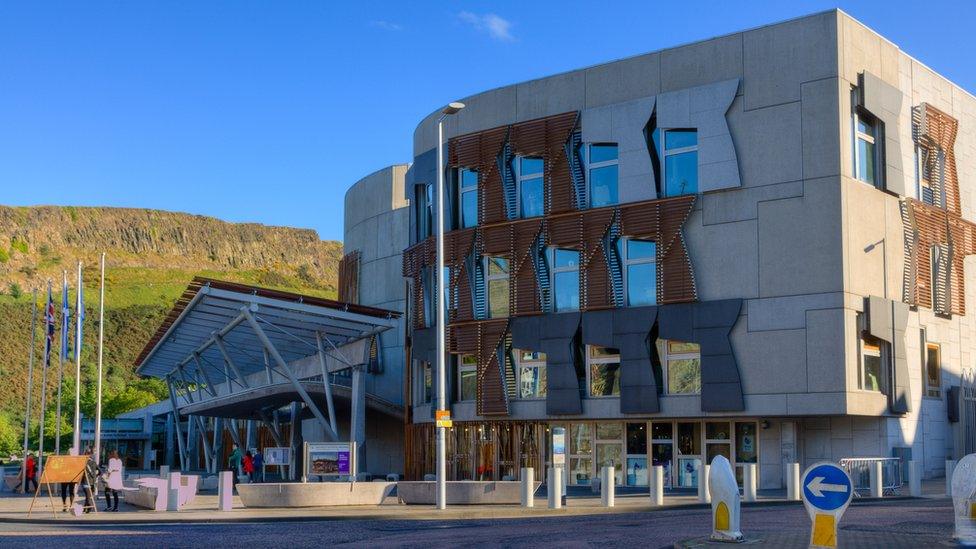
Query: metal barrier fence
x,y
859,469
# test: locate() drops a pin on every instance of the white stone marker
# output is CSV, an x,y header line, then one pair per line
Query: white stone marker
x,y
963,486
225,491
656,481
555,488
749,482
915,479
950,465
173,492
607,486
703,495
724,494
528,485
876,475
793,481
164,471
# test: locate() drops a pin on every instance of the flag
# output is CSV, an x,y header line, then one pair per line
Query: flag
x,y
65,320
80,318
49,325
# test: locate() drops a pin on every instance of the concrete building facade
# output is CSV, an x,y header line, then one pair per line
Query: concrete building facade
x,y
755,246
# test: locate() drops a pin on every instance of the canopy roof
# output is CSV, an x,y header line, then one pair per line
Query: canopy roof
x,y
213,309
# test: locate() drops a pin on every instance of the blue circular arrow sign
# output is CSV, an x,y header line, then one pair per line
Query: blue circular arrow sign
x,y
827,487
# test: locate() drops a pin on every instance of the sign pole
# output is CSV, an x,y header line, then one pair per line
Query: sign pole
x,y
98,390
76,442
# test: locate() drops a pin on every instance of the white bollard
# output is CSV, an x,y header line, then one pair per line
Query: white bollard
x,y
225,491
793,481
607,487
164,471
173,492
528,485
915,479
876,479
554,487
749,482
703,495
657,485
950,467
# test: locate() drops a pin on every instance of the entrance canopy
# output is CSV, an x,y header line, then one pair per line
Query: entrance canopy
x,y
212,325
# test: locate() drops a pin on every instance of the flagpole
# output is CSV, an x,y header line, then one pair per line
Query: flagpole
x,y
61,356
98,390
48,344
76,440
30,389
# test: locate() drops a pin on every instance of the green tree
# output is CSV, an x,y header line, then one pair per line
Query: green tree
x,y
10,436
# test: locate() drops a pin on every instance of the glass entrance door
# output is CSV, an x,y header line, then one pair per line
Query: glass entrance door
x,y
609,448
689,453
637,454
662,448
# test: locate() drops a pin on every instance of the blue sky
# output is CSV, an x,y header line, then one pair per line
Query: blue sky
x,y
268,111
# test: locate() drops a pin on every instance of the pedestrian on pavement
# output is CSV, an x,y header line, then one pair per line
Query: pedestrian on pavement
x,y
234,464
248,466
30,473
67,493
89,479
258,463
114,481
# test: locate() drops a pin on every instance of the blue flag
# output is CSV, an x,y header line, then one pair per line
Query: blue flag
x,y
48,327
65,320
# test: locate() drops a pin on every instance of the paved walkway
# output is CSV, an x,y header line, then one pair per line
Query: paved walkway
x,y
14,508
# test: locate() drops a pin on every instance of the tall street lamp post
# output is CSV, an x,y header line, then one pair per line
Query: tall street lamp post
x,y
452,108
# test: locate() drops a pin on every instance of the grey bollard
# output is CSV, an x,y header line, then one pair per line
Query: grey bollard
x,y
173,492
703,495
657,485
225,491
164,471
528,485
793,481
950,467
749,482
915,479
607,487
555,488
875,475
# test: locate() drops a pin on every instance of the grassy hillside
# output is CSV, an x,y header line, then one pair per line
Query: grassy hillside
x,y
151,257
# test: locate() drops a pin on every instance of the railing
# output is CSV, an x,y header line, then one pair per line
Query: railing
x,y
859,469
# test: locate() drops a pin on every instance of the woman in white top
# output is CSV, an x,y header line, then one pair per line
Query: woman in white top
x,y
114,481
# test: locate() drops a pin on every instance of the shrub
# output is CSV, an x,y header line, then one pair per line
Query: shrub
x,y
19,245
15,290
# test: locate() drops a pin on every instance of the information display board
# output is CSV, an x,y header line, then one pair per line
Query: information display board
x,y
558,445
277,456
330,459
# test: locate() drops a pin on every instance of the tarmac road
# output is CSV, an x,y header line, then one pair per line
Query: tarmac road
x,y
901,523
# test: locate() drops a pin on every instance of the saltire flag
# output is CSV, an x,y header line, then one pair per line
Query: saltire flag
x,y
80,317
65,320
49,324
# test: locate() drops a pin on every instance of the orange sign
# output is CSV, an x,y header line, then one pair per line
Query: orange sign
x,y
443,418
63,469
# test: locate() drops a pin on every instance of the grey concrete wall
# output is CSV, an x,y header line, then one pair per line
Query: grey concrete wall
x,y
377,219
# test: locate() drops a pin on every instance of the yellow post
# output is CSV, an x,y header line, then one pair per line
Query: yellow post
x,y
722,516
824,533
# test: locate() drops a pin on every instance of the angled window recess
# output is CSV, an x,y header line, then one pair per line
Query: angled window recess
x,y
531,372
872,357
467,198
564,269
600,160
682,364
497,284
867,144
425,210
467,377
529,197
603,371
638,259
932,359
678,151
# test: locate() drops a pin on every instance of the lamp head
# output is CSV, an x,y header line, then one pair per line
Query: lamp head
x,y
453,108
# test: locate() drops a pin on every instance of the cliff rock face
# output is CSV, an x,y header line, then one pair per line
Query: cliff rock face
x,y
41,237
151,256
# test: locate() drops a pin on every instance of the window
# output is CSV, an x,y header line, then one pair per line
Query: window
x,y
871,360
682,364
639,270
866,153
531,374
497,281
425,382
603,369
600,160
565,279
939,255
425,211
467,377
529,189
680,154
933,370
467,198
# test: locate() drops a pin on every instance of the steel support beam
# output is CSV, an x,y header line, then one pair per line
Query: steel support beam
x,y
357,420
325,383
176,422
219,342
291,375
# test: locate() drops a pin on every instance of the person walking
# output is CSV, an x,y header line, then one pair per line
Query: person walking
x,y
88,481
114,481
67,495
248,466
30,473
234,464
258,463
